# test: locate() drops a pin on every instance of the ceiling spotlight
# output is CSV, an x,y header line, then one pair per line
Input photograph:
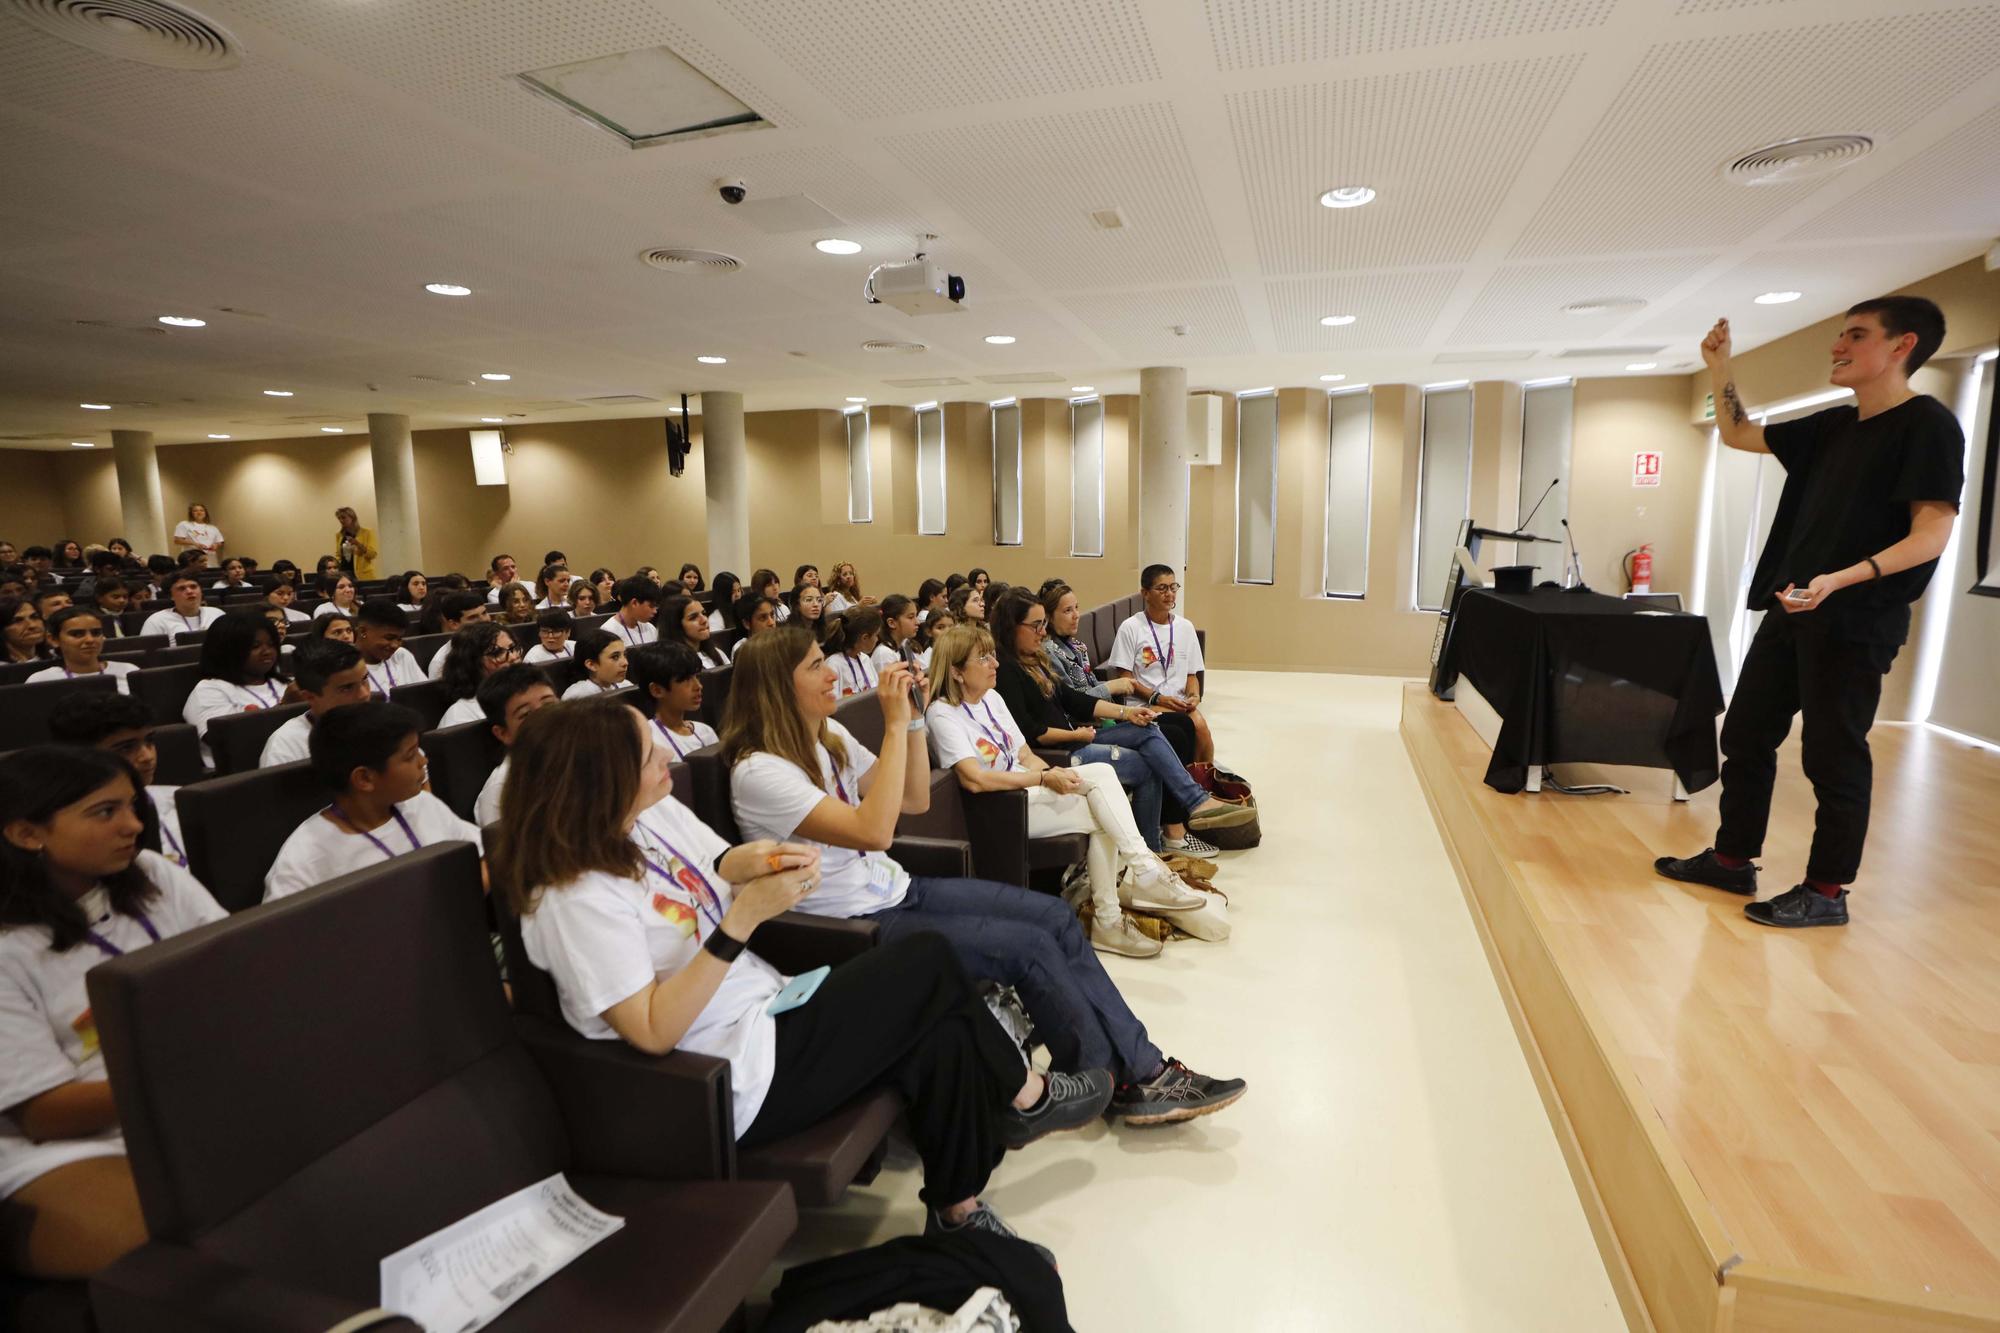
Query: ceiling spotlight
x,y
713,360
1336,321
1347,196
333,430
1083,388
494,375
184,321
1331,379
96,407
1643,365
1777,298
1000,339
81,444
213,436
852,399
834,246
277,393
492,421
447,289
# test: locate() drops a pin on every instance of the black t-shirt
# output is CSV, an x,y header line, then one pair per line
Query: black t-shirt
x,y
1849,485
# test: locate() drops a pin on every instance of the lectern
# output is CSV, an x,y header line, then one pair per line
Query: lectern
x,y
1465,572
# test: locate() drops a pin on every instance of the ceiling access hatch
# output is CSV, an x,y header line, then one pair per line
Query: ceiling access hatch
x,y
644,97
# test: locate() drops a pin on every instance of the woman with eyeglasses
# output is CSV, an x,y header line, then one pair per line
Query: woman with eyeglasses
x,y
78,632
477,651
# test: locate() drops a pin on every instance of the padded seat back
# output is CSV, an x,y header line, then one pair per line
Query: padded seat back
x,y
178,655
1086,630
314,1085
862,715
17,673
715,695
180,755
237,741
708,792
427,697
424,647
24,708
1104,633
461,759
165,689
233,827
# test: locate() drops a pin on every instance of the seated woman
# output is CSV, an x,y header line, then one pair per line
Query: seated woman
x,y
682,621
850,642
68,555
643,917
285,571
808,609
112,597
477,651
844,593
338,627
666,681
900,625
411,591
554,585
340,596
757,614
765,584
602,581
929,599
516,605
232,580
600,655
78,632
240,673
77,886
552,630
1064,717
726,589
690,578
124,726
280,597
797,774
967,605
583,599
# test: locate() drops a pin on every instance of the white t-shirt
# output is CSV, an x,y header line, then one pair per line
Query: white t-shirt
x,y
772,797
291,742
47,1036
320,850
633,635
684,744
173,624
590,689
883,658
984,731
536,655
716,624
486,807
465,710
166,805
836,602
782,613
1160,657
296,617
400,669
224,585
118,670
327,608
604,939
436,669
854,675
214,698
202,534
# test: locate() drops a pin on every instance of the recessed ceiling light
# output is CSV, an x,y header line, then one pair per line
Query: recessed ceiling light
x,y
184,321
999,339
1777,298
1643,365
852,399
1083,388
333,430
277,393
447,289
81,444
1347,196
213,436
1335,321
493,421
1331,379
834,246
713,360
494,375
96,407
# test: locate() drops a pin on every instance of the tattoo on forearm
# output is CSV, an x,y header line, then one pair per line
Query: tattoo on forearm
x,y
1734,404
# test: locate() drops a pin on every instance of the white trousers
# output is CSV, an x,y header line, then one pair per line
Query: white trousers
x,y
1103,811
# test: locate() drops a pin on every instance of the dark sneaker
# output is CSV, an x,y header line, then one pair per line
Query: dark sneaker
x,y
1069,1101
1800,906
983,1218
1176,1094
1705,869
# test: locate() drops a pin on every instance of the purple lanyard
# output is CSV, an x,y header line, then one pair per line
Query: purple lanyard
x,y
618,628
110,950
858,675
383,847
706,900
1167,662
838,785
184,621
389,671
679,753
275,698
1004,740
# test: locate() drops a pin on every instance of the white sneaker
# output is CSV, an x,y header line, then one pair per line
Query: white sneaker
x,y
1148,886
1124,939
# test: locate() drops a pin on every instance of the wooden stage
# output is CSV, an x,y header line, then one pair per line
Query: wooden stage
x,y
1770,1130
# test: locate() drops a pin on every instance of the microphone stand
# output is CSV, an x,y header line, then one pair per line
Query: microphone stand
x,y
1523,524
1575,560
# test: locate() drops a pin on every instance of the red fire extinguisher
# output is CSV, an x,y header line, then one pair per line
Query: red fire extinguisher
x,y
1639,569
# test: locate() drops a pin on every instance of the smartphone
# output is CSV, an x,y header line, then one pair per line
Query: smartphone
x,y
797,991
909,655
1799,595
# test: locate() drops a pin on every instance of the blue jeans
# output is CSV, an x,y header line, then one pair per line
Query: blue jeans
x,y
1032,942
1182,793
1133,773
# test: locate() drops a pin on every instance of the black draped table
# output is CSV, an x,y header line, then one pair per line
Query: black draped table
x,y
1578,677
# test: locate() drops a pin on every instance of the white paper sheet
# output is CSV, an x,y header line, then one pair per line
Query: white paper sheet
x,y
458,1279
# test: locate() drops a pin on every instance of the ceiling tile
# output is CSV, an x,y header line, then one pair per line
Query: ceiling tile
x,y
1255,34
1390,309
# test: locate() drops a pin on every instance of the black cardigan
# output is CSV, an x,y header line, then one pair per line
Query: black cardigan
x,y
1068,708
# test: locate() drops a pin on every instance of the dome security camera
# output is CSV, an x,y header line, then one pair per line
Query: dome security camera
x,y
733,191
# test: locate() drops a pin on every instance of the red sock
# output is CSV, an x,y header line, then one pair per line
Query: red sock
x,y
1728,862
1824,889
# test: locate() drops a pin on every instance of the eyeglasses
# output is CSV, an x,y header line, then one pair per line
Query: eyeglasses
x,y
989,657
1165,587
500,650
1038,626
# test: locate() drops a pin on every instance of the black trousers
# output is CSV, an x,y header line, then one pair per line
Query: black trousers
x,y
1835,684
1178,728
902,1015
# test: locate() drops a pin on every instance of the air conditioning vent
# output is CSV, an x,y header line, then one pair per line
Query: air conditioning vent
x,y
1604,305
1025,377
890,345
151,32
1798,159
678,260
444,379
1480,358
1632,353
613,399
930,382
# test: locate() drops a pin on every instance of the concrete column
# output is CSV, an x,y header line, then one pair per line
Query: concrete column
x,y
397,529
1163,468
726,470
140,508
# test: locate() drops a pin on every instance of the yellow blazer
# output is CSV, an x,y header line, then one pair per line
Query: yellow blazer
x,y
365,551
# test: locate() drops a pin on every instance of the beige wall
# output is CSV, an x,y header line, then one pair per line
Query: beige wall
x,y
1614,419
34,513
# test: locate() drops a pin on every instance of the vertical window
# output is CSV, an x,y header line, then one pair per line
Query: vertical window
x,y
1007,473
1982,480
1444,489
860,473
1086,477
1546,412
1350,431
930,471
1256,486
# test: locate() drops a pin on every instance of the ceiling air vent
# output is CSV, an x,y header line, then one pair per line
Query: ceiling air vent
x,y
1798,159
151,32
1629,353
444,379
614,399
1482,358
1025,377
677,260
932,382
1604,305
891,345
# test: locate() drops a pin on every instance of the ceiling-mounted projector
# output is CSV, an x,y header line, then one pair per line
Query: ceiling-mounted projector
x,y
915,287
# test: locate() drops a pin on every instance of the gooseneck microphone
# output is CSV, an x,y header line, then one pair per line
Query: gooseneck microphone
x,y
1575,560
1522,526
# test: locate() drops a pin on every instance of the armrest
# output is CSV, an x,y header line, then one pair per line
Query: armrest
x,y
997,822
938,858
166,1288
1103,672
661,1117
795,942
1055,756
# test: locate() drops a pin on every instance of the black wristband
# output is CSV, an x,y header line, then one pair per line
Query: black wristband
x,y
723,945
1872,565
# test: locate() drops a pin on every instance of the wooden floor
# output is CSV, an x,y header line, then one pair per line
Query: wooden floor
x,y
1833,1096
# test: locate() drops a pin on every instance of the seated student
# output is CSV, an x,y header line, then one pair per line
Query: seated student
x,y
900,625
765,584
78,632
160,571
456,610
187,613
51,599
505,699
103,565
14,582
378,633
285,571
552,628
68,557
367,756
327,674
603,581
978,578
637,602
652,574
411,590
808,609
240,674
555,558
1159,651
967,605
682,621
666,681
232,580
850,642
844,592
600,656
757,614
724,592
279,626
516,605
974,734
554,584
582,600
281,595
340,595
797,774
690,579
642,919
500,572
111,597
26,633
325,568
477,651
929,599
338,627
124,726
77,886
933,630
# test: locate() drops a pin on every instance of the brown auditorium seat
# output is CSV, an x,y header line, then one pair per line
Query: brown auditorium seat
x,y
424,647
17,673
179,654
179,755
407,1103
861,714
461,759
715,695
233,827
1086,630
24,708
427,697
237,742
1105,630
165,689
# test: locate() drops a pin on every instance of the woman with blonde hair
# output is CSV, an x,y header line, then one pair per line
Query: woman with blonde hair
x,y
796,774
844,592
